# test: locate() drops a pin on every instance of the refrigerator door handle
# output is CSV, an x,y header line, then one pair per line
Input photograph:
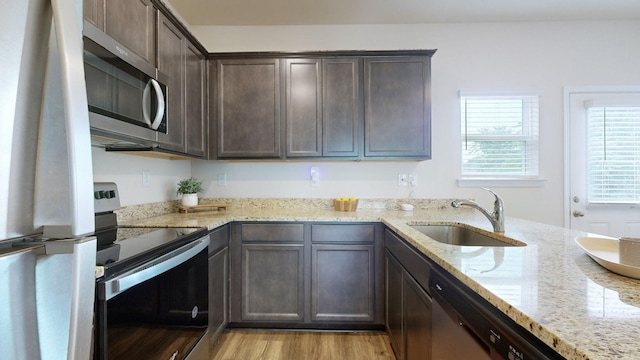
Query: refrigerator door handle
x,y
68,24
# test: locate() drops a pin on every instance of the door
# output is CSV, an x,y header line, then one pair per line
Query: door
x,y
603,147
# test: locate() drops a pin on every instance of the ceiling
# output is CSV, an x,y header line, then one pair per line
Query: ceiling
x,y
344,12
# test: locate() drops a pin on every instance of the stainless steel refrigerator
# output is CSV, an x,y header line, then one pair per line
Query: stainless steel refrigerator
x,y
47,266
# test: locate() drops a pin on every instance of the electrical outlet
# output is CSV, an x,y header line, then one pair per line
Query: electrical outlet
x,y
402,180
412,180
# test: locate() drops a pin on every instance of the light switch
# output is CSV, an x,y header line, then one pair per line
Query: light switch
x,y
222,179
146,182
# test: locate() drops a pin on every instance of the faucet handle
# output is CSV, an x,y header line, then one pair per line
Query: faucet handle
x,y
498,203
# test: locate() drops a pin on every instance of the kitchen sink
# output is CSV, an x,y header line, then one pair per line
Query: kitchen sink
x,y
463,236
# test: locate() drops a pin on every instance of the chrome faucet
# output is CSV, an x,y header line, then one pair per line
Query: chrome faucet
x,y
496,217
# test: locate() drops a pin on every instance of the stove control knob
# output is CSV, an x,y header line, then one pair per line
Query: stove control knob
x,y
110,194
98,194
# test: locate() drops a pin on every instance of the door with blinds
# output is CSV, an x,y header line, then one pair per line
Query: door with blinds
x,y
603,134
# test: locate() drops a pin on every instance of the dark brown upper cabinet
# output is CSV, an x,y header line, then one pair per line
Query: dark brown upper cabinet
x,y
171,62
130,22
397,107
341,107
358,105
248,98
303,115
195,110
323,116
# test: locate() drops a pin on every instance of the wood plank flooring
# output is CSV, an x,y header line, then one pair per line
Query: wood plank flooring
x,y
303,345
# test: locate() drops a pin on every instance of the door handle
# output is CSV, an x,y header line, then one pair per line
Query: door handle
x,y
578,213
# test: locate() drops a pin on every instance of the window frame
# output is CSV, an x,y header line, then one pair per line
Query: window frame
x,y
530,136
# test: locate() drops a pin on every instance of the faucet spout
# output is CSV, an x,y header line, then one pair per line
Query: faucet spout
x,y
496,217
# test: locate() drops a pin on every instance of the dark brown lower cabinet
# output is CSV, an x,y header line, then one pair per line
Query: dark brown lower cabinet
x,y
408,312
307,275
218,282
272,282
394,304
417,315
343,283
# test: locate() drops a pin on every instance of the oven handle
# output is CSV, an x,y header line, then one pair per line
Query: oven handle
x,y
147,271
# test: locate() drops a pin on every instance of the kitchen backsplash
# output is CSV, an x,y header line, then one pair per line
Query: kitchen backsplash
x,y
142,211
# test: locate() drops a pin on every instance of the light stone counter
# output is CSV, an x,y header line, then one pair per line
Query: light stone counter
x,y
550,286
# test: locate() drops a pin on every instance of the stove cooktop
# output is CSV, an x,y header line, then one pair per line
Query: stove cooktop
x,y
123,248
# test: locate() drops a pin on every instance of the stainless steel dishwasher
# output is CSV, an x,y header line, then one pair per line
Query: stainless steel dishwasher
x,y
465,326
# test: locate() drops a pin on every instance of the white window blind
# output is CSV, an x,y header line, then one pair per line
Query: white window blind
x,y
499,135
613,136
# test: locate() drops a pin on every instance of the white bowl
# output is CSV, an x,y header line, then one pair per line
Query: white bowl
x,y
406,207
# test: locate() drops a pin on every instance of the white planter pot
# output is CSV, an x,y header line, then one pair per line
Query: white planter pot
x,y
189,199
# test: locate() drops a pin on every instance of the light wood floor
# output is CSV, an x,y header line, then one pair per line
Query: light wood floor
x,y
303,345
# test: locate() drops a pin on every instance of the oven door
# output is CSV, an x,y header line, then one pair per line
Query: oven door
x,y
158,310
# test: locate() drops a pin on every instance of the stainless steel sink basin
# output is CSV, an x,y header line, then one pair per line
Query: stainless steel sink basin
x,y
463,236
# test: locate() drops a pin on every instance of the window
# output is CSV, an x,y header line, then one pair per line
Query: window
x,y
499,136
613,142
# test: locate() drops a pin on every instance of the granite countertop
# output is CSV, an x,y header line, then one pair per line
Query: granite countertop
x,y
550,286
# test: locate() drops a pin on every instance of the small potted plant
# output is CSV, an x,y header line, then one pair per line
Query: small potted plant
x,y
189,188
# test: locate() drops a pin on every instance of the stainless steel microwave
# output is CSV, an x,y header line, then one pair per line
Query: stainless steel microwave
x,y
126,95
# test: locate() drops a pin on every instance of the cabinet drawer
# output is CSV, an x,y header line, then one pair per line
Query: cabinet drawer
x,y
343,233
273,232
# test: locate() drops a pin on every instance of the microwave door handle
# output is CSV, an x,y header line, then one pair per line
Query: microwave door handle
x,y
146,103
161,105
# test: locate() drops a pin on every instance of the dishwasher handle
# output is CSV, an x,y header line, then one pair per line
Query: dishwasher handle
x,y
154,268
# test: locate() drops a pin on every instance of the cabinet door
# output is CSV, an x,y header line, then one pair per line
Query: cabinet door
x,y
397,107
93,12
417,316
394,304
171,62
272,282
248,109
341,109
218,292
303,107
131,23
342,283
194,110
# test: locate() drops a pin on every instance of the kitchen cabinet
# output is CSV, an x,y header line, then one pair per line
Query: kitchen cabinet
x,y
307,275
397,109
247,102
335,105
171,62
218,282
130,22
343,273
341,107
408,312
184,65
303,115
195,111
322,112
269,268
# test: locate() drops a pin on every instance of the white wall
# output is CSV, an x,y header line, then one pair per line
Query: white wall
x,y
126,172
543,57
